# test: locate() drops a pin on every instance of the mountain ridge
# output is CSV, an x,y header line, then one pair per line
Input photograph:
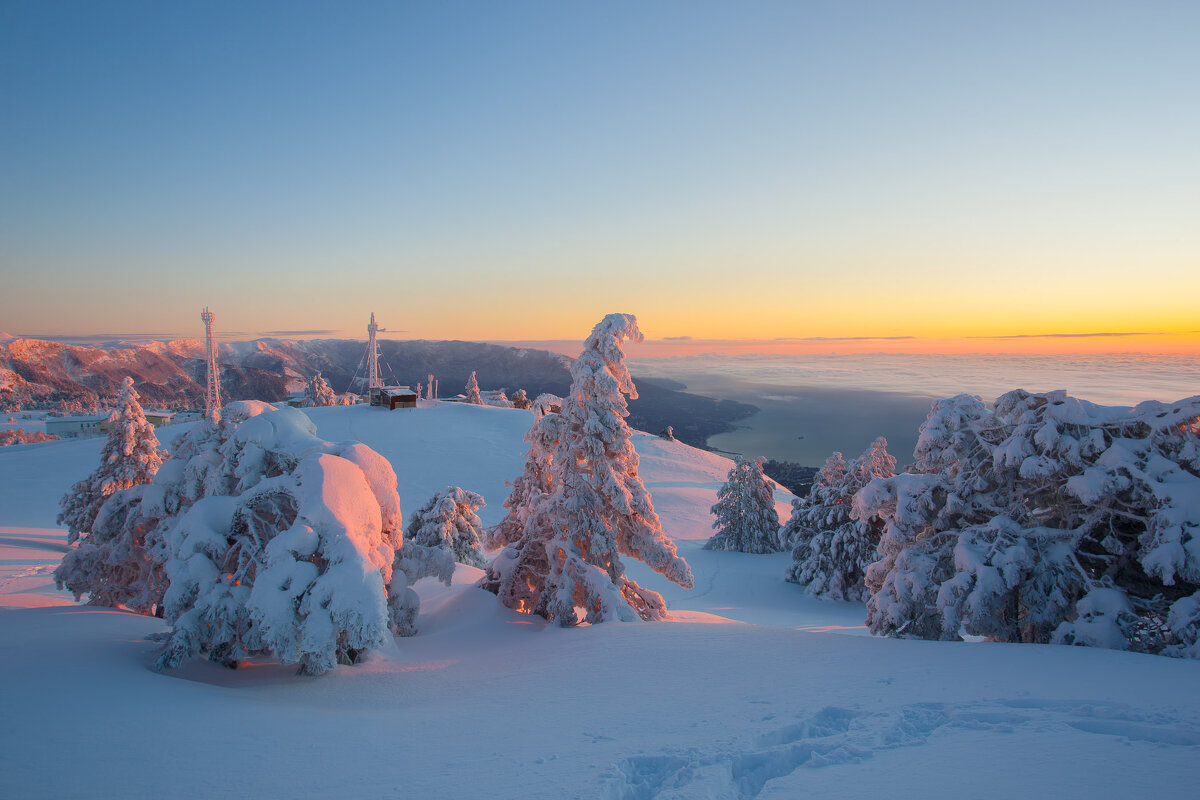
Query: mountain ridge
x,y
85,377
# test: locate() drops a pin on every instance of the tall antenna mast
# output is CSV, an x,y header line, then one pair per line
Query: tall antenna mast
x,y
373,381
212,393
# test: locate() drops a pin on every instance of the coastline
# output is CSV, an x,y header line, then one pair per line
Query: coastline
x,y
805,424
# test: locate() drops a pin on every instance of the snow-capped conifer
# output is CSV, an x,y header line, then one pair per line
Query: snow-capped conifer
x,y
536,479
471,393
831,547
449,521
914,556
1044,518
746,519
810,513
317,393
520,400
110,563
130,456
267,540
1183,620
568,554
287,547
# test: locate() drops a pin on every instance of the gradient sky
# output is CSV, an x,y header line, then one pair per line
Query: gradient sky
x,y
515,170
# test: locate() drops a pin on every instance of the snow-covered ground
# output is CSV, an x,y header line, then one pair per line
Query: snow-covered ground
x,y
754,690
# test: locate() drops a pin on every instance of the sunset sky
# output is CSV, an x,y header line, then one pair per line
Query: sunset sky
x,y
808,171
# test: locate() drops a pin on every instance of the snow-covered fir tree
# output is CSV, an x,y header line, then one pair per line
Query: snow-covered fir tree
x,y
289,547
471,393
535,480
449,521
1044,518
568,554
825,492
130,456
746,520
110,564
317,393
268,540
831,548
520,400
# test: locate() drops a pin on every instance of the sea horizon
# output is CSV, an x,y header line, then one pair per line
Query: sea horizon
x,y
811,405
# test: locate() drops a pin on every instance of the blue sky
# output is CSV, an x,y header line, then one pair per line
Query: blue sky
x,y
516,170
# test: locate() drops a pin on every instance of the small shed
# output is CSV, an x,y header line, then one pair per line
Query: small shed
x,y
159,418
393,397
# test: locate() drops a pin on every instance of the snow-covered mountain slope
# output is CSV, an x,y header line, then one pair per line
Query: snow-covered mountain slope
x,y
172,373
487,703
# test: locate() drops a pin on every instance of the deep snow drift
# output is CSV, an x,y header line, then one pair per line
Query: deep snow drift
x,y
487,703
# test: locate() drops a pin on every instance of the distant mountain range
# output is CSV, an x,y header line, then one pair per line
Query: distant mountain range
x,y
38,373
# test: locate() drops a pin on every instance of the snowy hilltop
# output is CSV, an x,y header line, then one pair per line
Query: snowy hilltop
x,y
751,689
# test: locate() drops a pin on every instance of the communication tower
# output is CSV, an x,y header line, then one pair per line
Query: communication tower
x,y
212,393
373,381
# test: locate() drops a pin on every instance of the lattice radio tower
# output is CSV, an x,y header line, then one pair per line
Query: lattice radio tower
x,y
373,381
212,393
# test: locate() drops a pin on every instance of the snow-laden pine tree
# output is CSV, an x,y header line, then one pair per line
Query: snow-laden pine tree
x,y
288,547
317,393
568,555
520,400
270,540
471,393
535,480
1044,518
496,399
449,521
119,560
824,497
110,564
831,547
130,456
746,519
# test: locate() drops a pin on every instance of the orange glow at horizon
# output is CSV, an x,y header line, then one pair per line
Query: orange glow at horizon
x,y
1181,344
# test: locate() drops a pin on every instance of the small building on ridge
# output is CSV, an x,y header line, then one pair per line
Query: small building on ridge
x,y
393,397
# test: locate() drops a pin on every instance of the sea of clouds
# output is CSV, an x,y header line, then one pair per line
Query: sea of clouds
x,y
1108,379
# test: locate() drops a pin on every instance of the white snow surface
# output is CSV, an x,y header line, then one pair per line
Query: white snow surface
x,y
754,691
